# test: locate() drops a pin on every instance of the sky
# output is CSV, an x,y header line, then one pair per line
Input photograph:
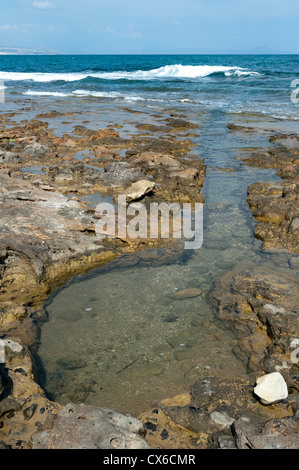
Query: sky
x,y
151,26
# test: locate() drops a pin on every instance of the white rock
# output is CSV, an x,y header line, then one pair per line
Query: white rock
x,y
271,388
14,347
139,189
274,309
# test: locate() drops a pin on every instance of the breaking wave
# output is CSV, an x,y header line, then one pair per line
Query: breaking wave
x,y
167,72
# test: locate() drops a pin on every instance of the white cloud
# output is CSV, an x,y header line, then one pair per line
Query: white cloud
x,y
42,5
7,27
130,33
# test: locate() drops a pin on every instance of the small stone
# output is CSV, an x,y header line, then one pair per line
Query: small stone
x,y
188,293
69,315
72,364
170,318
271,388
218,336
222,419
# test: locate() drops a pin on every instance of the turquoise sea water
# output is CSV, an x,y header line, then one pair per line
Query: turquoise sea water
x,y
233,83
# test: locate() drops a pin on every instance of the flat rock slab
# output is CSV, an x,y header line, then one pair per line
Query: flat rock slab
x,y
40,230
88,427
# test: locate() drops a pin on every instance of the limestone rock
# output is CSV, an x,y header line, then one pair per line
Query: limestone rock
x,y
88,427
139,189
271,388
277,433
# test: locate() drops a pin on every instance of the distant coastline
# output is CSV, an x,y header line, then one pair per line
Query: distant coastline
x,y
22,51
255,51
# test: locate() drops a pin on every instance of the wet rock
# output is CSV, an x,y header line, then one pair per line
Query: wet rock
x,y
235,127
87,427
276,207
50,114
271,388
272,158
30,247
174,124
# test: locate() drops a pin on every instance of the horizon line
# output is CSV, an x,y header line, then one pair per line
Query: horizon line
x,y
142,53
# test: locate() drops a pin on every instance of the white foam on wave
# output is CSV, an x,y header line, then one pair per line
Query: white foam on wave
x,y
168,71
85,93
176,71
45,93
42,77
97,94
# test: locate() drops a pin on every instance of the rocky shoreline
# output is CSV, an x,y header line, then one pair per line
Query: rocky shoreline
x,y
48,236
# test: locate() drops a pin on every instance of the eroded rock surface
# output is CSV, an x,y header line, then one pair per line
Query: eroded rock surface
x,y
261,305
45,237
275,206
88,427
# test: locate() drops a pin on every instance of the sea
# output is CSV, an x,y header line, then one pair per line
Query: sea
x,y
260,84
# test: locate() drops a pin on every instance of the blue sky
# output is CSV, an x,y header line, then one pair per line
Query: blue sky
x,y
151,26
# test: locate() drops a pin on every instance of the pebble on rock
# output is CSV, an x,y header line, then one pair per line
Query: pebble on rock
x,y
271,388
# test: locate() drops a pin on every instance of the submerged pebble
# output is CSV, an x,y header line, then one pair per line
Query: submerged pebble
x,y
187,293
